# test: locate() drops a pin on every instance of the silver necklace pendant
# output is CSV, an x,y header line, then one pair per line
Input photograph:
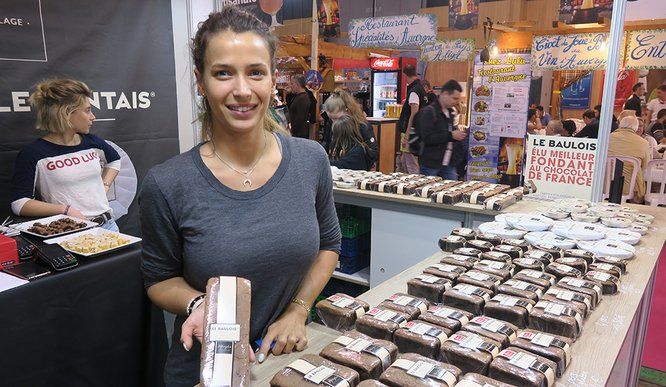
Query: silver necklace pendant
x,y
247,183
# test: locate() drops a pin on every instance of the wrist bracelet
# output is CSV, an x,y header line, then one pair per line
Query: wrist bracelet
x,y
301,303
66,209
194,303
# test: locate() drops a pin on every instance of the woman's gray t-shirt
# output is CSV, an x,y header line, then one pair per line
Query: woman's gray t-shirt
x,y
197,228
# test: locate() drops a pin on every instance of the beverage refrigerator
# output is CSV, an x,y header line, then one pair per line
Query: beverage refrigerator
x,y
388,83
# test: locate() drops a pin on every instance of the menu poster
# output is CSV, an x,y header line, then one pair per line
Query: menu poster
x,y
329,18
585,11
561,165
500,96
268,11
463,14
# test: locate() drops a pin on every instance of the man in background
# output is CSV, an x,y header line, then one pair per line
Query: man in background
x,y
438,132
431,97
556,128
626,142
416,99
634,102
299,108
658,103
591,128
543,116
597,115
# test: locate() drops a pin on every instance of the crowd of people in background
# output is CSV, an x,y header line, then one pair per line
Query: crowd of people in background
x,y
432,141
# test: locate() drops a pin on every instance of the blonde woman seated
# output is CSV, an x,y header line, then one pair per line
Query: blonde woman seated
x,y
348,150
626,142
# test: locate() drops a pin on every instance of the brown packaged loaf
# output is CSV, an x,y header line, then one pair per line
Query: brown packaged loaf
x,y
227,305
464,261
500,331
518,288
610,284
428,190
371,184
500,202
450,272
511,309
477,380
481,195
295,373
555,251
340,311
371,383
607,268
580,301
421,337
479,245
496,256
541,255
502,269
517,366
467,297
553,347
464,232
619,262
578,253
469,352
428,287
560,271
450,243
447,317
522,243
404,303
513,251
577,263
413,370
387,185
528,263
494,239
556,318
481,279
367,356
381,323
536,277
470,251
583,285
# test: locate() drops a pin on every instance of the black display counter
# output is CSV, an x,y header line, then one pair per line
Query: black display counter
x,y
89,326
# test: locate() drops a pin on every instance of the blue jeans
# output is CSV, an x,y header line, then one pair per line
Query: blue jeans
x,y
110,225
445,172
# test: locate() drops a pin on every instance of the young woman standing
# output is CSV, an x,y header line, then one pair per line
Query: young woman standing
x,y
251,202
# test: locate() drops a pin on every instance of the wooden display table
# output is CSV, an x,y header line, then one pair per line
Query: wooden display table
x,y
405,229
607,354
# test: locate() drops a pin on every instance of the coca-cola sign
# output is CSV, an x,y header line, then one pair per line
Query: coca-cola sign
x,y
385,63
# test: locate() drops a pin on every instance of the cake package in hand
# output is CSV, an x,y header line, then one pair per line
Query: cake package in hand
x,y
225,347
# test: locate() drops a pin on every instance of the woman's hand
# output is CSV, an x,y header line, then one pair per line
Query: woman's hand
x,y
75,213
288,332
193,327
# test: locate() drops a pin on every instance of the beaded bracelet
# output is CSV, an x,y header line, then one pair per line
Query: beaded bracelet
x,y
194,303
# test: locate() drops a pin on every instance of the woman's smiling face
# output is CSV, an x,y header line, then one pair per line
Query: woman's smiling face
x,y
237,80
